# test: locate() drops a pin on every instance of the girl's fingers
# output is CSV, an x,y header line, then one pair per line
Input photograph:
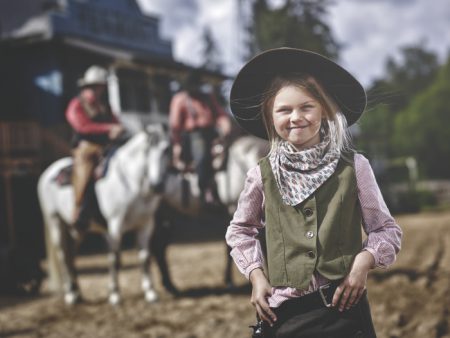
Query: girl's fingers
x,y
337,295
353,299
261,313
265,307
272,315
344,299
265,314
346,295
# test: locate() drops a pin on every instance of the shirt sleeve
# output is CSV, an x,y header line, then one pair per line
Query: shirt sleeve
x,y
81,123
175,117
215,105
246,223
383,233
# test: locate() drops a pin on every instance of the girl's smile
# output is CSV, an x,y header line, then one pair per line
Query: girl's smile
x,y
297,117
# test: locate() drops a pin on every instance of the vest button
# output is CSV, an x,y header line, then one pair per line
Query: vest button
x,y
309,234
311,254
308,212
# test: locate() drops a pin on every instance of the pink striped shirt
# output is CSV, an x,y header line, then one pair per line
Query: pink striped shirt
x,y
383,233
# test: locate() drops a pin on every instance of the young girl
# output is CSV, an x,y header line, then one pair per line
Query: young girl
x,y
312,195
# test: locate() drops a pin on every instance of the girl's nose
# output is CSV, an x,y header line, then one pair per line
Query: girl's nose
x,y
296,115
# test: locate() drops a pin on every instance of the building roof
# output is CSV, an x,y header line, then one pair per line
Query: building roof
x,y
114,28
118,24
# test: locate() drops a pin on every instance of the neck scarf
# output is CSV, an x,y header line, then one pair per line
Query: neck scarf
x,y
300,173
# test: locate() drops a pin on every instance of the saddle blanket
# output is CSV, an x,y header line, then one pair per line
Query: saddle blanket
x,y
64,176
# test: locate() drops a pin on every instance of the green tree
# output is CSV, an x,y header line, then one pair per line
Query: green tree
x,y
404,79
297,23
376,127
422,129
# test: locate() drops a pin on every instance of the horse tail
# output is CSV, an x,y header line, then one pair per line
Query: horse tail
x,y
51,223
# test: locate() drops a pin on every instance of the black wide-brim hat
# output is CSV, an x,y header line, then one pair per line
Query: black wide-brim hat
x,y
255,76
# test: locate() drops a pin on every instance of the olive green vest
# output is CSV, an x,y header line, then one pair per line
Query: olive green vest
x,y
322,233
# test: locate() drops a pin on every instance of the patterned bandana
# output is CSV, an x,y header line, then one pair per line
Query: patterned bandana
x,y
300,173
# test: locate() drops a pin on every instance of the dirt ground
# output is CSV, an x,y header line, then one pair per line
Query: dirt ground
x,y
411,299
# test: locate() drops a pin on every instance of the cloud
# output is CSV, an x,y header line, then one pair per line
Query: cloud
x,y
183,21
370,30
373,30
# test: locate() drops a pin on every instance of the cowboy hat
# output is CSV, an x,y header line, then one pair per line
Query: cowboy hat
x,y
256,75
94,75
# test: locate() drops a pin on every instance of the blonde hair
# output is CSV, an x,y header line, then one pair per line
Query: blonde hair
x,y
336,122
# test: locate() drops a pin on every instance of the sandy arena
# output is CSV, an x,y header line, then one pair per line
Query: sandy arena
x,y
411,300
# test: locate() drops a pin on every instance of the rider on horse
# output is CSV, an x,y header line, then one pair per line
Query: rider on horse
x,y
95,126
196,120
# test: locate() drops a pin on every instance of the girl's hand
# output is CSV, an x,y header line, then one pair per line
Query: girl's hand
x,y
261,290
352,288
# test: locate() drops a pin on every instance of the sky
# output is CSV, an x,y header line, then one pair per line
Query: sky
x,y
369,30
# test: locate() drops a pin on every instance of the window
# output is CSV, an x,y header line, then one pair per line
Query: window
x,y
135,91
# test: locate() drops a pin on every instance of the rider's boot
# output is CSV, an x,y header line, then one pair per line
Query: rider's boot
x,y
83,212
81,222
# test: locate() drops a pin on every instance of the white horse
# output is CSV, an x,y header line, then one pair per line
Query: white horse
x,y
244,153
127,200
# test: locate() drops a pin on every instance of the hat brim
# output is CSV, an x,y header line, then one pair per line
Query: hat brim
x,y
82,83
254,78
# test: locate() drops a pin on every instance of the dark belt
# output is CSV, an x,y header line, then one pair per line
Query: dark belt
x,y
321,298
312,301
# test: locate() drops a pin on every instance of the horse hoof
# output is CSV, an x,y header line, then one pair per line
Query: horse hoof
x,y
114,298
72,298
151,296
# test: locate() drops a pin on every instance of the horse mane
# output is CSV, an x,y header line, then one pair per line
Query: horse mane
x,y
133,145
126,154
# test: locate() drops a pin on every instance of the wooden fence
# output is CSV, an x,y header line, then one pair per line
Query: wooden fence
x,y
20,165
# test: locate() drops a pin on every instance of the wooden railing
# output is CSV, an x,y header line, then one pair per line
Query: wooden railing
x,y
19,138
20,147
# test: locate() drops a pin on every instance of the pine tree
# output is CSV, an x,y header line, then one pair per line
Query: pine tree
x,y
211,54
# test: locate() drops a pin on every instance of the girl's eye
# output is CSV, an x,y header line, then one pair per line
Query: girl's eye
x,y
283,110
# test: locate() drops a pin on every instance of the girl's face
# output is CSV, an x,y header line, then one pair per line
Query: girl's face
x,y
297,117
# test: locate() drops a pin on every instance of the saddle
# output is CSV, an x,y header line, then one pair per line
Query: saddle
x,y
64,176
90,206
219,159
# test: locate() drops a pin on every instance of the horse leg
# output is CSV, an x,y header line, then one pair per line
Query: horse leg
x,y
159,243
143,238
65,248
114,242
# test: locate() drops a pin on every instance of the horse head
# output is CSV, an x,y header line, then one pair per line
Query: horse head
x,y
158,157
